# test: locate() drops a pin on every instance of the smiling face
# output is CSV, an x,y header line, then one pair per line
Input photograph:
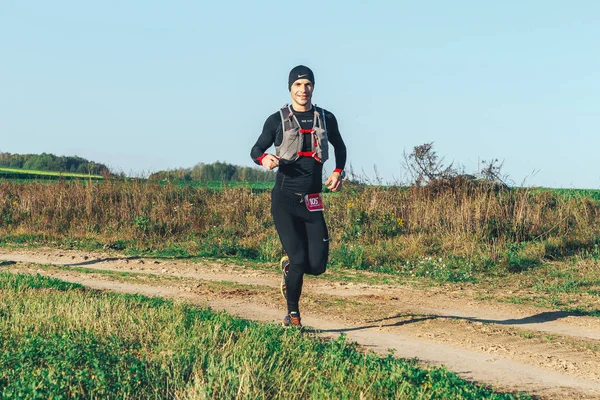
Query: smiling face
x,y
301,92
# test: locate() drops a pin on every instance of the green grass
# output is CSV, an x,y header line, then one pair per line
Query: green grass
x,y
219,185
568,285
577,193
61,340
34,174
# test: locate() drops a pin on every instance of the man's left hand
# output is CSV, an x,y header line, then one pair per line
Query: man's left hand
x,y
334,182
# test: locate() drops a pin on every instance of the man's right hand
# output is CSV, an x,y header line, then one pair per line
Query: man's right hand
x,y
270,161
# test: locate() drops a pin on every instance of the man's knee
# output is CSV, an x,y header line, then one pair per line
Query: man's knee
x,y
317,268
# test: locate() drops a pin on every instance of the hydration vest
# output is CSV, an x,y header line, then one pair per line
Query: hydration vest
x,y
294,136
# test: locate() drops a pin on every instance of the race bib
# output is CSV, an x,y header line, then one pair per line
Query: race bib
x,y
314,202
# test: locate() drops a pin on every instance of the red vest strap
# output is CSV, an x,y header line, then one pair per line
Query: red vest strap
x,y
309,154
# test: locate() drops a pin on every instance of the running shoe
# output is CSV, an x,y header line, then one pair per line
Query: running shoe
x,y
285,264
292,319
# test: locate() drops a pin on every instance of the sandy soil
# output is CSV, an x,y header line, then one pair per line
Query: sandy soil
x,y
549,353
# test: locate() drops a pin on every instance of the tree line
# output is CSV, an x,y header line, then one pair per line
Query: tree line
x,y
217,171
51,162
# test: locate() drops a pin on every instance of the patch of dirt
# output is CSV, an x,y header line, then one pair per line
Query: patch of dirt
x,y
550,353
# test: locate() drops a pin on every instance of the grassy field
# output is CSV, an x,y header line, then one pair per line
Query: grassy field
x,y
15,173
541,245
472,229
218,185
590,193
546,240
63,340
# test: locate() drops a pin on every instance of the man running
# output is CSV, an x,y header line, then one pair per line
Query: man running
x,y
301,133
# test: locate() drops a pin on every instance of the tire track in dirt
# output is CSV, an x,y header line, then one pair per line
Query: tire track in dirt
x,y
435,301
485,355
501,373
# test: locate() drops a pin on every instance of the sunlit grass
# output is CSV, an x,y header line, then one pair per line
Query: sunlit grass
x,y
459,234
60,339
17,172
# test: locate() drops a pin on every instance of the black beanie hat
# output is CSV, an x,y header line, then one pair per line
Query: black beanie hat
x,y
300,72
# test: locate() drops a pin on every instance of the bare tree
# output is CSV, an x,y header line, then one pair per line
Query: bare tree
x,y
491,171
425,166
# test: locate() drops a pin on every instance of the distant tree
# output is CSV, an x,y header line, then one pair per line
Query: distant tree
x,y
217,171
172,175
492,171
425,166
50,162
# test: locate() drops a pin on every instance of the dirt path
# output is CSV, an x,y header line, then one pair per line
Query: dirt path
x,y
550,353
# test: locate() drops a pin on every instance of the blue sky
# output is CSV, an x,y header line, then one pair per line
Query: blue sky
x,y
148,85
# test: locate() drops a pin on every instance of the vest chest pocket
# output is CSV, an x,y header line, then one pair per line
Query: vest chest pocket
x,y
323,144
290,144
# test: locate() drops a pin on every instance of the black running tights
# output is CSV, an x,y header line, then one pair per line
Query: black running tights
x,y
304,237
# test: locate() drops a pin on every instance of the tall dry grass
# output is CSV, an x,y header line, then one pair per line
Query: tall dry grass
x,y
116,209
465,217
368,225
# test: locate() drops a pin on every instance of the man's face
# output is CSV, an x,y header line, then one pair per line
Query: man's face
x,y
301,92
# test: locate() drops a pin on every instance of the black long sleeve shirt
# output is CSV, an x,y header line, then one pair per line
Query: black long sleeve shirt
x,y
305,174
